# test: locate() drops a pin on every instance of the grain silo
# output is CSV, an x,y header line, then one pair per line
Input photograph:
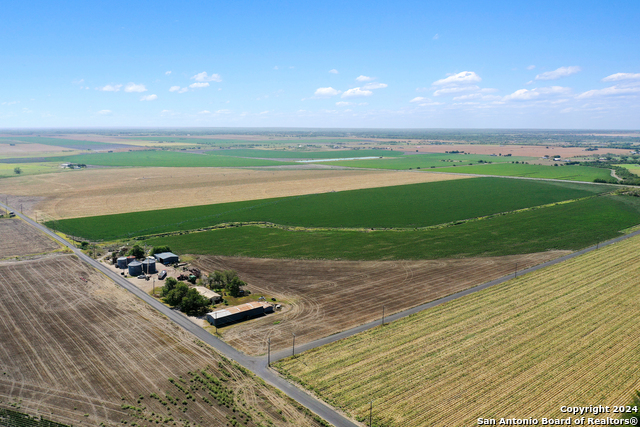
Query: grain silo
x,y
135,268
122,262
149,266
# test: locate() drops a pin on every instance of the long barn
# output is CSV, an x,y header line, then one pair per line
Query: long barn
x,y
238,313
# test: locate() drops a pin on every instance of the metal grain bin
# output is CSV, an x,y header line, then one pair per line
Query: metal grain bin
x,y
149,266
135,268
122,262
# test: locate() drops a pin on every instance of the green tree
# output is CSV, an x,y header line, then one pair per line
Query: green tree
x,y
174,296
137,251
234,287
17,170
169,285
194,304
160,249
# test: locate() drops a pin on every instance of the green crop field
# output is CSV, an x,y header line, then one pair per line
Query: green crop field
x,y
7,169
296,154
569,173
230,142
566,333
631,168
58,142
405,206
165,159
568,226
424,161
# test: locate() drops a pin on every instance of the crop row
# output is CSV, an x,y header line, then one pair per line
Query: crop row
x,y
567,333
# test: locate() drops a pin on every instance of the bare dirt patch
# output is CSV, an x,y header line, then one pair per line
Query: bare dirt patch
x,y
110,191
17,238
514,150
332,296
80,350
29,150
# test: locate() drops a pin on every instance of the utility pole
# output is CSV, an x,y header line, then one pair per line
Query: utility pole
x,y
269,352
294,344
370,413
516,273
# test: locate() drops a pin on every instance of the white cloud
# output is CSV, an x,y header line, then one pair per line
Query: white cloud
x,y
205,112
436,37
526,94
174,88
375,86
531,67
418,99
326,92
223,111
105,112
364,78
560,72
10,102
132,87
621,76
355,92
198,85
264,112
343,103
611,91
455,89
334,71
110,88
477,95
463,78
167,73
203,77
149,98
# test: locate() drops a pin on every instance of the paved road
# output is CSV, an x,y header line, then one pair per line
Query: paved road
x,y
258,365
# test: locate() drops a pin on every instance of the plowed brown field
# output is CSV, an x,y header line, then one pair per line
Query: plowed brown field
x,y
332,296
17,238
110,191
77,349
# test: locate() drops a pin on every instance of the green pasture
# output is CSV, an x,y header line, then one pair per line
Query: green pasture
x,y
423,161
301,154
8,169
635,169
165,159
568,173
570,226
404,206
58,142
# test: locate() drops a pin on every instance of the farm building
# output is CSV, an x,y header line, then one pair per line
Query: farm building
x,y
149,266
122,262
238,313
135,268
167,258
208,293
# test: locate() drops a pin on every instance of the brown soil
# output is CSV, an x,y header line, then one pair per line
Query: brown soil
x,y
17,238
27,150
514,150
75,348
332,296
110,191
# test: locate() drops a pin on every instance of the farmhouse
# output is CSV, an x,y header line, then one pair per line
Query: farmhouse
x,y
167,258
238,313
208,293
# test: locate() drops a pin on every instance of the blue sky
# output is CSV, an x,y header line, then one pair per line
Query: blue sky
x,y
464,64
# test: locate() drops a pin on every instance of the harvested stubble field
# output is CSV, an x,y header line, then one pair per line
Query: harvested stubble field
x,y
112,191
17,238
78,349
567,333
332,296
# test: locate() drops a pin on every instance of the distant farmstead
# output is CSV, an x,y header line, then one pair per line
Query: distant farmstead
x,y
239,313
167,258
